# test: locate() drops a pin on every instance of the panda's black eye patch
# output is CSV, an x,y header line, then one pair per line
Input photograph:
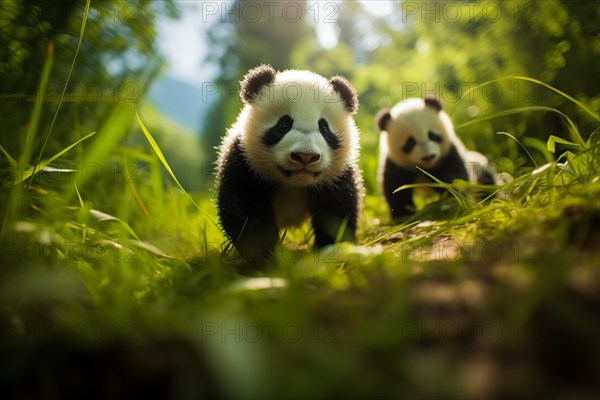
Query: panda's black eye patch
x,y
274,134
409,145
332,140
285,124
434,137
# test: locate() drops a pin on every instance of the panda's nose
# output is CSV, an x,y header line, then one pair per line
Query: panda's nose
x,y
305,158
428,157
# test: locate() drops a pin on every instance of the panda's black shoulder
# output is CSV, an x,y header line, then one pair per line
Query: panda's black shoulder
x,y
451,166
231,156
235,171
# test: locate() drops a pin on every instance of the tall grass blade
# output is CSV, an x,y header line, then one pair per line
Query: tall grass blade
x,y
14,169
563,94
506,112
540,146
552,140
391,232
36,114
520,144
537,82
40,165
162,158
572,128
341,230
62,96
448,187
83,215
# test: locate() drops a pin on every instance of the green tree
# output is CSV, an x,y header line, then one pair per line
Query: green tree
x,y
246,34
117,55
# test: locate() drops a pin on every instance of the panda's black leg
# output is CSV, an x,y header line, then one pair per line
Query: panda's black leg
x,y
400,203
332,206
394,177
449,168
254,238
245,208
249,225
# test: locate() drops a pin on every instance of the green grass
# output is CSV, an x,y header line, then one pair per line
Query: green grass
x,y
111,272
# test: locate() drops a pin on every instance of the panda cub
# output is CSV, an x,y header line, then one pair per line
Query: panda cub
x,y
291,155
417,132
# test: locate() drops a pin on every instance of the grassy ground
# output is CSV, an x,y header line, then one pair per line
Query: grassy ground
x,y
116,282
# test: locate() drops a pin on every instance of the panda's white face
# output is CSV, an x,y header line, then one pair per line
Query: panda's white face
x,y
417,134
298,132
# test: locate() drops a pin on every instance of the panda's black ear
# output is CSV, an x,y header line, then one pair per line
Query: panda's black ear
x,y
433,102
255,80
346,92
382,118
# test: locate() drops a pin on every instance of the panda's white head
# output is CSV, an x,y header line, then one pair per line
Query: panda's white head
x,y
416,131
297,127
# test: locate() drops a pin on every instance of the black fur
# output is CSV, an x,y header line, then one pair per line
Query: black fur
x,y
346,92
486,179
274,134
330,205
255,80
332,141
433,102
449,168
395,176
245,206
382,118
434,137
409,145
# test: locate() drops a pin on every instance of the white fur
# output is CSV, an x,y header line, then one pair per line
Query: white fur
x,y
297,141
306,97
414,118
477,165
290,206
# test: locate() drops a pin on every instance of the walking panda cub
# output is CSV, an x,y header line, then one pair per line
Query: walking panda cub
x,y
291,155
417,132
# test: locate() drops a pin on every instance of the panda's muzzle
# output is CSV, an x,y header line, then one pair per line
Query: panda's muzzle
x,y
302,163
304,159
289,172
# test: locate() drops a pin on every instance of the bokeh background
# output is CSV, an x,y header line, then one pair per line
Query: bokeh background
x,y
116,282
190,56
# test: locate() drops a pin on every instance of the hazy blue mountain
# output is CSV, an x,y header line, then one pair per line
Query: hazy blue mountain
x,y
180,101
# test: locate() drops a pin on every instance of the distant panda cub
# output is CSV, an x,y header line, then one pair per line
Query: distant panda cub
x,y
291,155
417,132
